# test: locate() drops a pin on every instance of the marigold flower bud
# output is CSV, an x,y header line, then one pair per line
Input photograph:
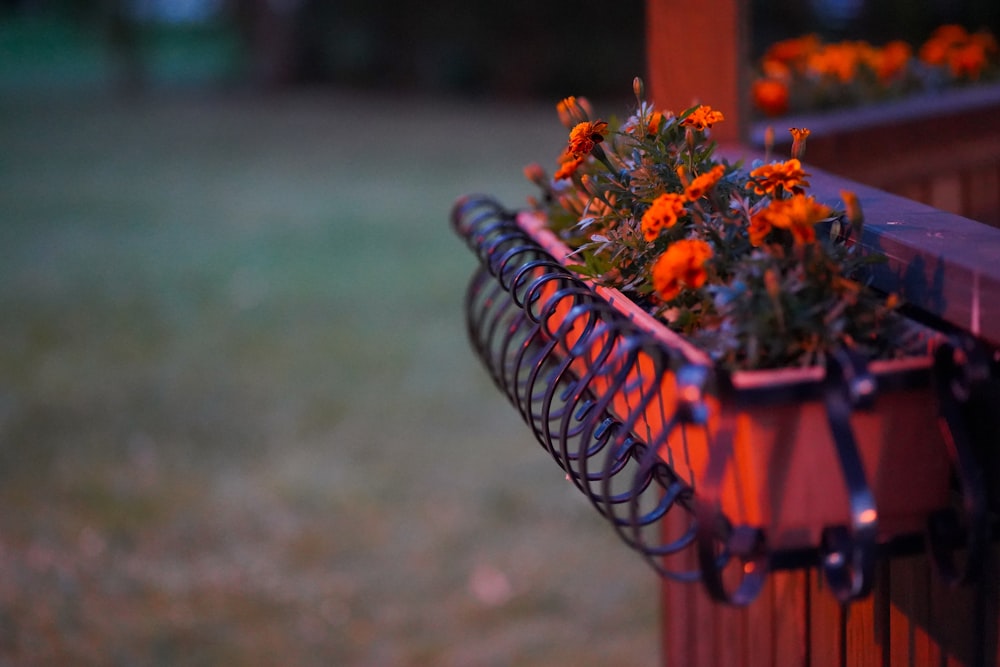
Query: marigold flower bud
x,y
573,110
769,139
853,212
536,174
771,283
799,136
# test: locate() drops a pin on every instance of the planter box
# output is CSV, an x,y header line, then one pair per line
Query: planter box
x,y
781,468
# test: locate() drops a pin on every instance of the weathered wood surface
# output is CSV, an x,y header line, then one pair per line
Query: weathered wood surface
x,y
911,619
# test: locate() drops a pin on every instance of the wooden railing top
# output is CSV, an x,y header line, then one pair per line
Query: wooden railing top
x,y
944,264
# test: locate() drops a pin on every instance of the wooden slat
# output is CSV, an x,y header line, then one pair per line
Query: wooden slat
x,y
826,624
679,626
860,647
789,590
867,627
953,622
910,641
917,190
761,621
731,625
982,193
946,192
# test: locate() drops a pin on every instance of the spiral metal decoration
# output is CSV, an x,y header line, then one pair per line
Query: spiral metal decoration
x,y
584,377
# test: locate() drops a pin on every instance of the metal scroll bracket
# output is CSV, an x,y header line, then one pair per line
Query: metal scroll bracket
x,y
847,552
961,369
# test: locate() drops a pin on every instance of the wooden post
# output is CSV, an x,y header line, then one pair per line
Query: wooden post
x,y
696,54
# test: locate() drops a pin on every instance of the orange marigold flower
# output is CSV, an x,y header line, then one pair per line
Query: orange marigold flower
x,y
770,96
655,121
798,214
934,52
702,184
662,214
986,40
852,207
802,215
839,61
891,60
653,124
568,166
788,176
702,117
793,49
536,174
682,265
584,136
760,226
967,61
950,33
776,69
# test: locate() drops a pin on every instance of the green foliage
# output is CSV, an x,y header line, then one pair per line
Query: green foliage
x,y
736,260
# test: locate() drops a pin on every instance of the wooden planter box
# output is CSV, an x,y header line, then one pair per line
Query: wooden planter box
x,y
940,149
781,472
787,468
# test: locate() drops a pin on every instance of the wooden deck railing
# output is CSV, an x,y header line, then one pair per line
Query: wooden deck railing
x,y
914,167
948,267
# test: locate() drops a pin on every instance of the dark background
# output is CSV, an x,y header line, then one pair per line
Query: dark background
x,y
513,48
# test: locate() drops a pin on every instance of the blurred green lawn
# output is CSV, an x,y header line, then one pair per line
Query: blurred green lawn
x,y
240,423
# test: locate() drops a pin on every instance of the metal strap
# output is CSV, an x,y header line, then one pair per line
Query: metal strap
x,y
848,552
720,544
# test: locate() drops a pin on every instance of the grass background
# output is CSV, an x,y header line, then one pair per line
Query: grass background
x,y
239,419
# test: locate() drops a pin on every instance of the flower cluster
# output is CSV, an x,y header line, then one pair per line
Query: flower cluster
x,y
734,259
805,73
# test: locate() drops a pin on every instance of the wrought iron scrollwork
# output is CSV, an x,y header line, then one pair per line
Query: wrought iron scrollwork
x,y
562,374
961,368
584,378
